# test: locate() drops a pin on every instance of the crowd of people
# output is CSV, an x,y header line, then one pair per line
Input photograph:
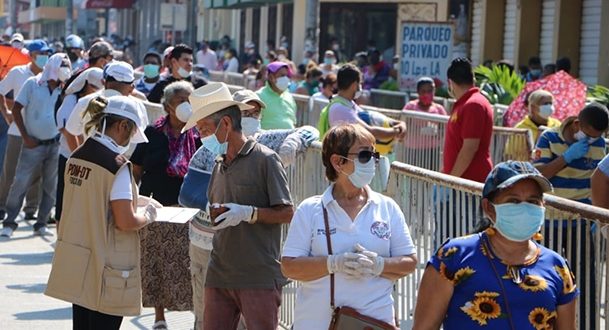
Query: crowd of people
x,y
80,140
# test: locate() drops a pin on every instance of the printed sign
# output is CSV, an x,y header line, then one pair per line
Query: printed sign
x,y
426,51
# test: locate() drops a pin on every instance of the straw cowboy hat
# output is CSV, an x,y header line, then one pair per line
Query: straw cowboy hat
x,y
209,99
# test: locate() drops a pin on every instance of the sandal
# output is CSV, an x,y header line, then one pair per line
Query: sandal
x,y
160,325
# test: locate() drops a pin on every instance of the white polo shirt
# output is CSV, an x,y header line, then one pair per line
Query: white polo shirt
x,y
380,227
39,108
13,81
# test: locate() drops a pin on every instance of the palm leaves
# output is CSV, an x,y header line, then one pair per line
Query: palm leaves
x,y
498,84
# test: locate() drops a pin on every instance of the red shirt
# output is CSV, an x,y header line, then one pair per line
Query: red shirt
x,y
472,118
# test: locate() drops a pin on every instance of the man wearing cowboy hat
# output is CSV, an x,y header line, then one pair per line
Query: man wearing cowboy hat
x,y
248,181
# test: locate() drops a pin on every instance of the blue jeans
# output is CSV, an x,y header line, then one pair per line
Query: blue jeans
x,y
42,158
3,138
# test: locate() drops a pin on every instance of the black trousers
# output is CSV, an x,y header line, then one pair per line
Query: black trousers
x,y
61,167
86,319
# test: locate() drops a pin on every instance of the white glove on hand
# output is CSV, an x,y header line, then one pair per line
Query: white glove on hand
x,y
346,263
373,265
150,213
235,214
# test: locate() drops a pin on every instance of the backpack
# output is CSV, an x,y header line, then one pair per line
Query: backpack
x,y
323,125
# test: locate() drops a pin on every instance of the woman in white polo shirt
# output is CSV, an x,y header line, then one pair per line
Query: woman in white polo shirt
x,y
370,241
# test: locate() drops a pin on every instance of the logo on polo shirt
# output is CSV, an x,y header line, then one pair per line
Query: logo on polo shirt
x,y
321,231
381,230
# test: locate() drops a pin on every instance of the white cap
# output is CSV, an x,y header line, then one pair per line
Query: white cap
x,y
120,71
127,107
17,37
92,75
250,44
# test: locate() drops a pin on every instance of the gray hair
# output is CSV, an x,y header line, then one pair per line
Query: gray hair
x,y
175,87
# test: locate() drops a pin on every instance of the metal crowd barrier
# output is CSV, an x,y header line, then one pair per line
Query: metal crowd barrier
x,y
388,99
437,206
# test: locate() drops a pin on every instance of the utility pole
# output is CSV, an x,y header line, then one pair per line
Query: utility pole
x,y
312,26
69,17
12,8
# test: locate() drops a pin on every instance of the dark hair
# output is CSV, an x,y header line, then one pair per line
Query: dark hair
x,y
460,71
550,67
595,115
337,141
535,60
233,52
156,55
563,63
302,69
314,72
180,49
330,79
233,112
347,75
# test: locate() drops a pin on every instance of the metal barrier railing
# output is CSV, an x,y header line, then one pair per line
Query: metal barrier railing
x,y
437,206
388,99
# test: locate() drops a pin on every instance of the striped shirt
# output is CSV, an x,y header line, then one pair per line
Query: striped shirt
x,y
573,181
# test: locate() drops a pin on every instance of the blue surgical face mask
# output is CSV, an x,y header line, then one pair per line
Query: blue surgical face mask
x,y
518,222
151,70
41,60
212,143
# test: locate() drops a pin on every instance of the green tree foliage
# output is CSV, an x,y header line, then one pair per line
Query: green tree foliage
x,y
498,84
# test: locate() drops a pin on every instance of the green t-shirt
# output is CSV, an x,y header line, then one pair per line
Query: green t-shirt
x,y
280,111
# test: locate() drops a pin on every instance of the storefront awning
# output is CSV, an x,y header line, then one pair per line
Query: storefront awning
x,y
104,4
233,4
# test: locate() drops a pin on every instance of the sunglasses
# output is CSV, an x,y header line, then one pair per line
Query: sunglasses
x,y
364,156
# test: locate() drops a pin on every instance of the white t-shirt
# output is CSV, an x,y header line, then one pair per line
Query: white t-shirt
x,y
121,187
13,81
380,227
233,65
62,115
38,108
208,59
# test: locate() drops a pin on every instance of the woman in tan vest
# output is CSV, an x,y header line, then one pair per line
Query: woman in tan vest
x,y
96,266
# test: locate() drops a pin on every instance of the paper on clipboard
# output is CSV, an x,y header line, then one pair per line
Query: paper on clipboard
x,y
175,214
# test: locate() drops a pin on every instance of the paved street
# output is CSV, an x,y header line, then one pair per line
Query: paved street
x,y
25,263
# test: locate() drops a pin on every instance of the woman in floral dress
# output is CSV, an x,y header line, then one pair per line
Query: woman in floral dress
x,y
500,278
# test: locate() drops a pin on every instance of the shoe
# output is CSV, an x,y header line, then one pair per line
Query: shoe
x,y
7,232
43,231
30,216
51,221
160,325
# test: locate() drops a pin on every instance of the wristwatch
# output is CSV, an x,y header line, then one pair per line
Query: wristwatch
x,y
254,216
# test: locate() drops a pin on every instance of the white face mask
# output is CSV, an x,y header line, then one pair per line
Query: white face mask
x,y
363,173
546,110
282,83
580,135
183,73
358,93
249,126
183,111
64,73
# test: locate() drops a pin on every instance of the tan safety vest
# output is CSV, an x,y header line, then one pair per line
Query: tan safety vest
x,y
96,265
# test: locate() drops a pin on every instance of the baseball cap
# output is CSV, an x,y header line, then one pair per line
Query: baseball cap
x,y
38,45
329,53
74,41
250,44
17,37
120,71
127,107
246,95
507,173
100,49
276,66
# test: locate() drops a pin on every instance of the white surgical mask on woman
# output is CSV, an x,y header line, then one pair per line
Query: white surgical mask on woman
x,y
183,111
282,83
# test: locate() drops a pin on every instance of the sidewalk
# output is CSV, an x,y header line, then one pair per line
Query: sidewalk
x,y
25,263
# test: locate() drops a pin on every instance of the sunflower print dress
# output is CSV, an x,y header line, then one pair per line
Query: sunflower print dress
x,y
533,291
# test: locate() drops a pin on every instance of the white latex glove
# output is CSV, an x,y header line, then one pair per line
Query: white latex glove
x,y
373,265
347,263
145,200
235,214
150,213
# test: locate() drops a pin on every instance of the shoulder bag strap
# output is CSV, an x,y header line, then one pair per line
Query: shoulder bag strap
x,y
329,243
